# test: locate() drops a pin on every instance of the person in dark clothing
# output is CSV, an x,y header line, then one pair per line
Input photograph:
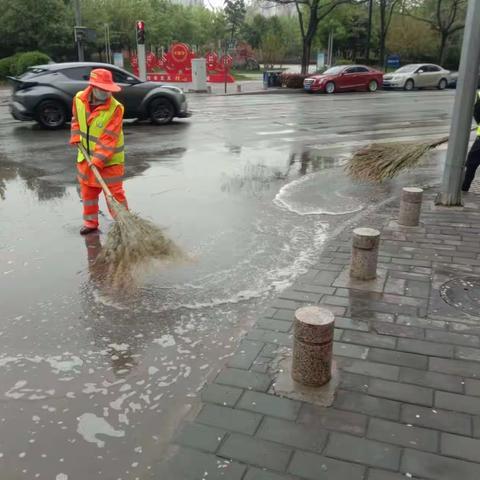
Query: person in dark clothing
x,y
473,159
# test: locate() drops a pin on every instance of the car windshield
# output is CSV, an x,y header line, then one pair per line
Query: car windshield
x,y
406,68
333,70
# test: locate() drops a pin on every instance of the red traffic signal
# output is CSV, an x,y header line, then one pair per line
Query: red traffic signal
x,y
140,30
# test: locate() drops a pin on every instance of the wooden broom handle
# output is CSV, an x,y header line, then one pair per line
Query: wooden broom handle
x,y
95,171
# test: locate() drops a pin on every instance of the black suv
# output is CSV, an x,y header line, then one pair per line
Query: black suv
x,y
45,93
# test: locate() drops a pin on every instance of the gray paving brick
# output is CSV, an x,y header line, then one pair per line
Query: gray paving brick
x,y
314,467
438,381
421,322
349,350
376,474
280,303
380,370
337,334
262,474
436,467
437,419
401,391
425,348
467,353
369,339
452,338
318,418
476,427
349,324
461,447
286,315
189,464
361,450
244,379
457,403
325,278
293,434
305,287
300,296
253,451
268,336
270,350
357,402
352,381
418,289
398,358
222,395
335,300
201,437
245,354
472,387
275,325
396,330
395,285
455,367
270,405
229,419
403,435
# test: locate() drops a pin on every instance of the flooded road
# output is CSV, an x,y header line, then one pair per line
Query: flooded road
x,y
94,383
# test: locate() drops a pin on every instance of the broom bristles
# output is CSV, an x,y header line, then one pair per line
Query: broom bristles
x,y
379,162
132,243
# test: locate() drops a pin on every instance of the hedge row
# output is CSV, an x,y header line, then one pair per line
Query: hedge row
x,y
18,63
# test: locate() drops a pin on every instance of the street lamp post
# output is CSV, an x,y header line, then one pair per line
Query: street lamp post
x,y
78,38
463,109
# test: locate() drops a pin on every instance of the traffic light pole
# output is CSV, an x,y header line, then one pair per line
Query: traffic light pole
x,y
78,21
142,62
463,109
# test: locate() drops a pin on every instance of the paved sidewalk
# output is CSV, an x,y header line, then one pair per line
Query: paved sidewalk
x,y
408,402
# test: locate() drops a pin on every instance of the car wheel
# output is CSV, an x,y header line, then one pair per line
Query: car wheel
x,y
372,86
442,84
409,85
161,111
330,87
51,114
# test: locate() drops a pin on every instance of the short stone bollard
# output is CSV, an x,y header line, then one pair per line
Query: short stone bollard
x,y
410,206
209,89
364,253
239,89
312,346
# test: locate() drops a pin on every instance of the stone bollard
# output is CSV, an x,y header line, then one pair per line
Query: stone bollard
x,y
410,206
209,89
239,88
364,253
312,346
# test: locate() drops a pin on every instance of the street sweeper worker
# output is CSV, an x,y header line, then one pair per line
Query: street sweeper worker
x,y
473,159
97,124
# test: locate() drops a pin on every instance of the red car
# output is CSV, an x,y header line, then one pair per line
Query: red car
x,y
344,78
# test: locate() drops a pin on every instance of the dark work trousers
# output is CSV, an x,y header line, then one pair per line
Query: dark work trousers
x,y
473,162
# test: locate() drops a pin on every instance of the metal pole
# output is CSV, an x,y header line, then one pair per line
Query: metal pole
x,y
78,21
369,33
462,110
142,62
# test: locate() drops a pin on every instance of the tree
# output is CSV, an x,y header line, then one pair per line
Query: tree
x,y
273,48
386,11
234,11
445,17
310,14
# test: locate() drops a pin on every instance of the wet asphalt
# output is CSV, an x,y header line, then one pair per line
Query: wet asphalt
x,y
94,383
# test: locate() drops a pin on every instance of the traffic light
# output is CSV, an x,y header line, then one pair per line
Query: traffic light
x,y
140,29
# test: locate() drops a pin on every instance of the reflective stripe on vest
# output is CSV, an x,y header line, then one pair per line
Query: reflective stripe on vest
x,y
90,134
478,129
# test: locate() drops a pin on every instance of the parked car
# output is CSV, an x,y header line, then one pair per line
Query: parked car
x,y
417,75
452,82
45,93
344,78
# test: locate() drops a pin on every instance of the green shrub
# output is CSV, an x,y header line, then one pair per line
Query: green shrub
x,y
30,59
343,61
8,66
293,80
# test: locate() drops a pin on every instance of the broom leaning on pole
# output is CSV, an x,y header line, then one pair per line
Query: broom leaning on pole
x,y
383,161
131,240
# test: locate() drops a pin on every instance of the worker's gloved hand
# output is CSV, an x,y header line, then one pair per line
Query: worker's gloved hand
x,y
98,163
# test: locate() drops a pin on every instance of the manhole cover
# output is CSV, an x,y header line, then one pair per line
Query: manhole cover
x,y
463,293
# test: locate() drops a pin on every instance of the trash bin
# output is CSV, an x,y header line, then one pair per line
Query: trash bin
x,y
272,78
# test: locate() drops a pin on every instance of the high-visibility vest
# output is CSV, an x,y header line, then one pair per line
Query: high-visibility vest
x,y
90,134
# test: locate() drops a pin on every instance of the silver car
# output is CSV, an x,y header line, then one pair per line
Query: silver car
x,y
417,75
45,93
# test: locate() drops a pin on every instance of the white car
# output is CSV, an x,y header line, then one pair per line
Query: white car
x,y
417,75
